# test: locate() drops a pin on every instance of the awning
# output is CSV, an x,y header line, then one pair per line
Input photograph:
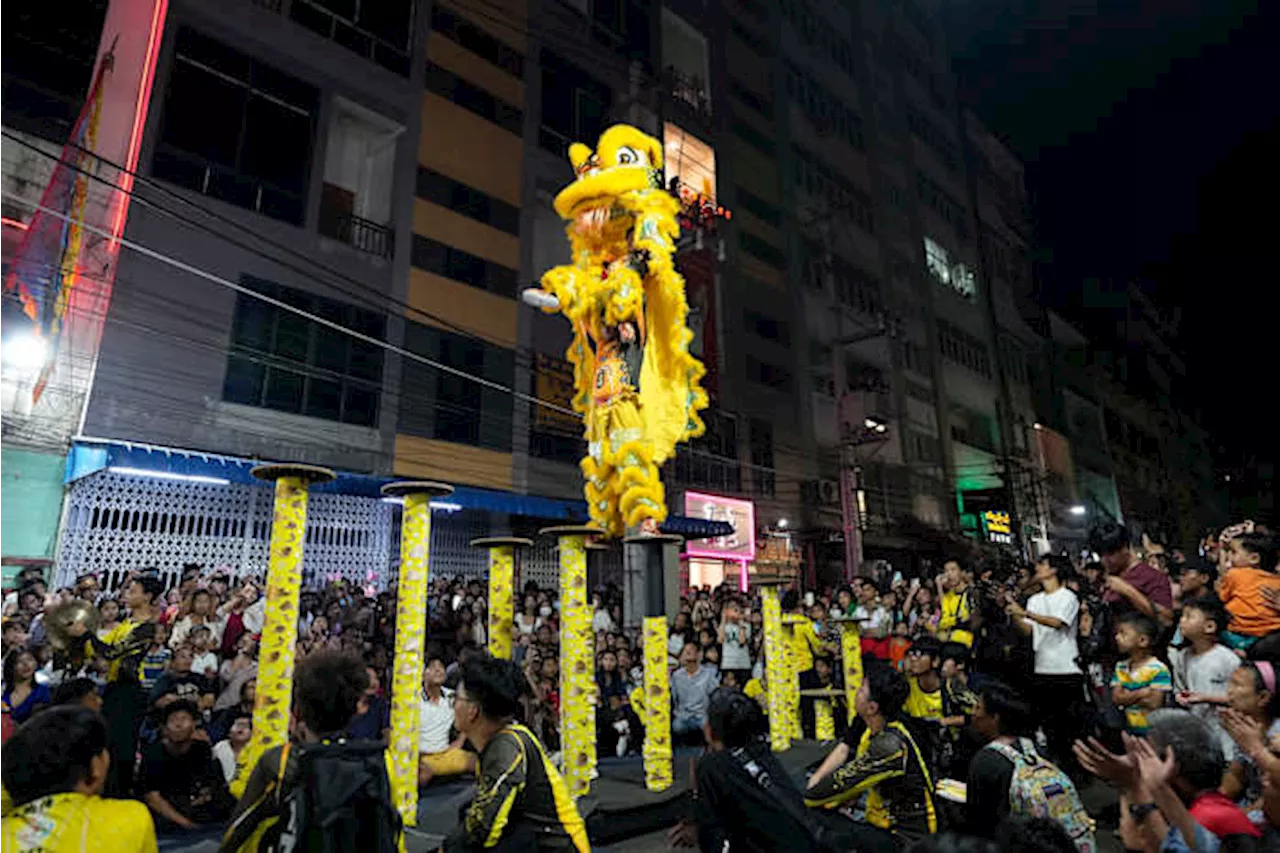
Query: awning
x,y
89,456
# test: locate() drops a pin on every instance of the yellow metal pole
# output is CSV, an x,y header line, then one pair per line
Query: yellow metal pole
x,y
503,560
271,706
411,624
851,660
775,662
577,661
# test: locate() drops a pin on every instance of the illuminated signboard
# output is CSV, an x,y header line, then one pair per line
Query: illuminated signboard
x,y
998,526
740,544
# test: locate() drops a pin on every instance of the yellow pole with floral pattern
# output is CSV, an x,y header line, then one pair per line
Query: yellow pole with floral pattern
x,y
657,704
411,628
775,664
789,623
577,661
851,660
504,554
271,706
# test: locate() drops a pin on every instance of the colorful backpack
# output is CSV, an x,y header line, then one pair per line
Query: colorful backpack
x,y
1040,789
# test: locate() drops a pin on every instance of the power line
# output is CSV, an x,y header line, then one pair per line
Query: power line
x,y
307,315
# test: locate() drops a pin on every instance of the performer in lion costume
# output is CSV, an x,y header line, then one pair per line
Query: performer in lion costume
x,y
636,384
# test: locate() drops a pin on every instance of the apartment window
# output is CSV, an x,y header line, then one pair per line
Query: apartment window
x,y
236,129
755,138
575,106
855,288
821,181
767,374
957,276
819,33
768,328
451,87
758,207
282,361
721,437
762,250
923,448
685,62
689,159
450,262
755,44
765,480
964,349
828,113
462,32
932,134
951,211
469,201
355,199
379,30
760,103
441,405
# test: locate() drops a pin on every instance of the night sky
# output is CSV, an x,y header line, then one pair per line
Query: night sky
x,y
1151,134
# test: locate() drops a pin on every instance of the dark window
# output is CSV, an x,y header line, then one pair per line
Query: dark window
x,y
817,179
819,34
759,103
436,257
575,106
471,202
952,212
47,78
755,138
378,31
280,360
767,252
768,328
458,29
756,44
761,443
758,207
769,375
236,129
436,403
828,113
451,87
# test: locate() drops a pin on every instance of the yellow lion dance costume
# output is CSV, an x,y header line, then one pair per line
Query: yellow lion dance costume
x,y
635,382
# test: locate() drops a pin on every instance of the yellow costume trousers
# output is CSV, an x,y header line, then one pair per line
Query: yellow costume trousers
x,y
622,485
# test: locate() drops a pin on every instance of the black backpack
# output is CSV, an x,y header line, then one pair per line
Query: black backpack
x,y
340,802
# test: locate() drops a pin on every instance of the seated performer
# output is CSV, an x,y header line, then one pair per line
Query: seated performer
x,y
521,803
887,764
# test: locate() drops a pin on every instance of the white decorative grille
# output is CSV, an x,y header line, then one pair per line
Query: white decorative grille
x,y
117,522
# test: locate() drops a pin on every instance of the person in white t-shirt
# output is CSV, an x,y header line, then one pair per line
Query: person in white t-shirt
x,y
1052,619
438,755
1202,670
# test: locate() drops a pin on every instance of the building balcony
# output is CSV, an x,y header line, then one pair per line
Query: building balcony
x,y
361,234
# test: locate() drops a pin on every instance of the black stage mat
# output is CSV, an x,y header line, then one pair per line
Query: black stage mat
x,y
619,806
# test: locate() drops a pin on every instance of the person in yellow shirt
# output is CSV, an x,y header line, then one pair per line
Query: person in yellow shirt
x,y
924,698
956,623
54,770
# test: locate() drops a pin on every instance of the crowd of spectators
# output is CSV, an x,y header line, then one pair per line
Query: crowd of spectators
x,y
1073,664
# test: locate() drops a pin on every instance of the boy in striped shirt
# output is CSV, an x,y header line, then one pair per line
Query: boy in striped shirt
x,y
1141,682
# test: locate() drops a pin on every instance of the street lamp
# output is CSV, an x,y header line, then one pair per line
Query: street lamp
x,y
1077,509
25,352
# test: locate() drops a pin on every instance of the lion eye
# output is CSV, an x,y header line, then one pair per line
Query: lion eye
x,y
629,156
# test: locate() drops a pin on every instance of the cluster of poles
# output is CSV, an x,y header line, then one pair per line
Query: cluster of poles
x,y
577,643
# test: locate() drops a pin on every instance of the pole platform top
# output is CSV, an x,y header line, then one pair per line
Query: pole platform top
x,y
276,470
499,541
596,545
572,530
400,488
658,538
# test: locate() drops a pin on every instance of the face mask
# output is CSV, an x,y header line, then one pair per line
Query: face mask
x,y
544,611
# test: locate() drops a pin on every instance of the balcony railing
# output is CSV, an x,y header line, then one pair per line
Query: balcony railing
x,y
369,237
689,90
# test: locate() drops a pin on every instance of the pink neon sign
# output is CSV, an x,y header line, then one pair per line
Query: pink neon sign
x,y
740,545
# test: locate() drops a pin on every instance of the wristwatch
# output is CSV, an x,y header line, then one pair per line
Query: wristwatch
x,y
1141,811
